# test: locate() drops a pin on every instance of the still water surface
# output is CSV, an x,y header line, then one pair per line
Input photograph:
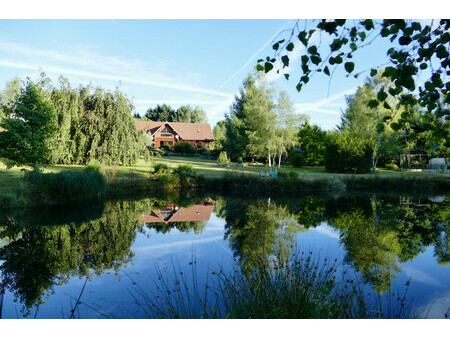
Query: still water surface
x,y
95,254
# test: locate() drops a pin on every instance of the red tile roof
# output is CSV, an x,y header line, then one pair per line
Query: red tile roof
x,y
187,131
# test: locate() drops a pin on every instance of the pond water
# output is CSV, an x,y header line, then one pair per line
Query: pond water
x,y
85,260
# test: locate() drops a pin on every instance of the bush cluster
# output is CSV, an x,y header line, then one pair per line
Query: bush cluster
x,y
183,148
223,158
345,153
64,186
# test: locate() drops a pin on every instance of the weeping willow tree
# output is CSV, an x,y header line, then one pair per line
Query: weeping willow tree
x,y
91,124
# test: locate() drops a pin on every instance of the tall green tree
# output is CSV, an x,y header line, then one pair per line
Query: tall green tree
x,y
311,141
287,124
250,128
28,127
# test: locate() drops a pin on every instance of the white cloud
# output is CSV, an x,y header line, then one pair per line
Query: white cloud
x,y
84,62
327,105
172,245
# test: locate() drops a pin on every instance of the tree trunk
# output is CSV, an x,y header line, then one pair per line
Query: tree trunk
x,y
378,154
268,150
279,159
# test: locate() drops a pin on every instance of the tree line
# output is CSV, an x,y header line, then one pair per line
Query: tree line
x,y
263,125
165,113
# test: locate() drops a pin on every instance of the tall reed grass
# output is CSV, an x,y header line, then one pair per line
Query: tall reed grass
x,y
306,287
64,186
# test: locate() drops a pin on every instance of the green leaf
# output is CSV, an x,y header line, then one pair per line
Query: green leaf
x,y
373,103
404,40
302,38
381,95
380,129
299,87
305,59
312,50
260,60
395,126
326,70
259,68
276,46
373,72
290,47
386,105
353,46
304,79
349,66
268,67
285,60
286,76
315,59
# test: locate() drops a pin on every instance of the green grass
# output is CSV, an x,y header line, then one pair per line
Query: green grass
x,y
316,177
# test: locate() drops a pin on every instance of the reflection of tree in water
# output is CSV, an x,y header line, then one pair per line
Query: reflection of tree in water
x,y
260,234
380,233
164,228
36,258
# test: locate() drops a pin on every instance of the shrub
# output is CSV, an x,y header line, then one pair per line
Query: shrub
x,y
160,168
184,171
222,157
183,148
391,166
94,166
240,160
346,153
64,186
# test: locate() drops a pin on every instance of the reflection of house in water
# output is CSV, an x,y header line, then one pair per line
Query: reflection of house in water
x,y
200,211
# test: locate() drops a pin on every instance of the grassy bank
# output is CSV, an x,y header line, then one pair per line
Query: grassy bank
x,y
69,184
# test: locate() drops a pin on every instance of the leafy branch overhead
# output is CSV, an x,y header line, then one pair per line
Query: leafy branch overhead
x,y
417,51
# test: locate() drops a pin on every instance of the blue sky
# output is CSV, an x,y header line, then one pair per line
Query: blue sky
x,y
196,62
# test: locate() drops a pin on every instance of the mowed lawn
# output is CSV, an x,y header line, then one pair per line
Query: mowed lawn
x,y
10,178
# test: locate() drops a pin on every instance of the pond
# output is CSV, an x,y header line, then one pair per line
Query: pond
x,y
89,260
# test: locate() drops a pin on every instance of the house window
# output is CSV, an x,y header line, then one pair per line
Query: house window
x,y
167,143
166,132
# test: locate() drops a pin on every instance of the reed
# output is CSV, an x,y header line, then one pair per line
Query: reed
x,y
305,287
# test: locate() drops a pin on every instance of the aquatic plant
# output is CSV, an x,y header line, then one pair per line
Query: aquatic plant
x,y
306,287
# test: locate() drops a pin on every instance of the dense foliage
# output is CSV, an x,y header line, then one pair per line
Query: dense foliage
x,y
28,126
261,124
165,113
310,149
346,153
184,147
88,126
64,186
